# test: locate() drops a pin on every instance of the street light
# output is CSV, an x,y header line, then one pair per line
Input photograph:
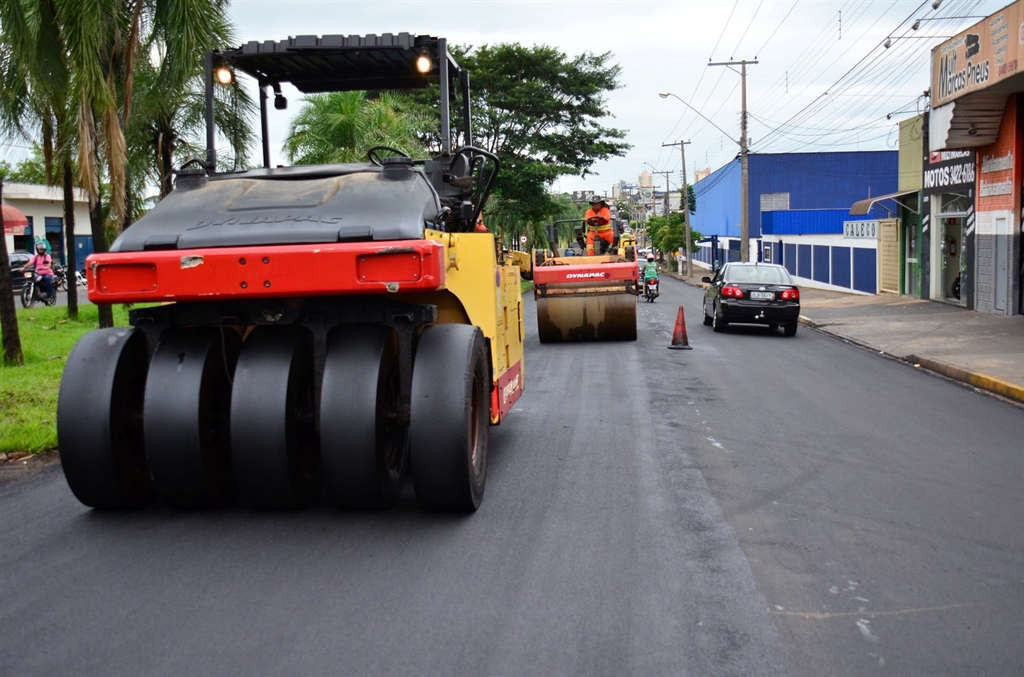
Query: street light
x,y
744,171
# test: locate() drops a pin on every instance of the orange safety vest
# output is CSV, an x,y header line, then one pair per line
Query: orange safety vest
x,y
604,214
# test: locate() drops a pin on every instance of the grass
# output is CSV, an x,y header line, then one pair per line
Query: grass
x,y
28,393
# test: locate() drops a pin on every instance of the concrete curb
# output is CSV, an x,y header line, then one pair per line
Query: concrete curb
x,y
981,381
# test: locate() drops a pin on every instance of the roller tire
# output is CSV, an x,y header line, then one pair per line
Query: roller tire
x,y
99,420
363,448
186,425
273,441
449,418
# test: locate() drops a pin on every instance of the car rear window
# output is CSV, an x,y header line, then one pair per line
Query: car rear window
x,y
761,274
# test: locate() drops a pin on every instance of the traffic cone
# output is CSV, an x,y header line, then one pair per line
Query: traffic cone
x,y
679,340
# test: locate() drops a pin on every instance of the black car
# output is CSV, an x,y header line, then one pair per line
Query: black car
x,y
16,260
752,293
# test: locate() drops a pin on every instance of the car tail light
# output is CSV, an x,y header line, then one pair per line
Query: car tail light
x,y
790,295
731,291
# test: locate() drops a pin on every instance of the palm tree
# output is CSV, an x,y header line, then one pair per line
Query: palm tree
x,y
74,62
340,127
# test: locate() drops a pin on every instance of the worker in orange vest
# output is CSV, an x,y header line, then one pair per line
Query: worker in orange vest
x,y
599,223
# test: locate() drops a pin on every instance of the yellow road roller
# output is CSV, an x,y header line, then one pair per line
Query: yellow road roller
x,y
307,330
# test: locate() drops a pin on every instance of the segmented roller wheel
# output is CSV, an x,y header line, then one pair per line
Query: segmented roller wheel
x,y
449,418
363,449
273,440
99,420
188,399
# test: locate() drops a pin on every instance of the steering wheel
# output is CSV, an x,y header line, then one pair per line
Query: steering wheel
x,y
373,156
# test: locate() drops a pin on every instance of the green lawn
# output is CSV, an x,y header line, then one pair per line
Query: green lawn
x,y
28,394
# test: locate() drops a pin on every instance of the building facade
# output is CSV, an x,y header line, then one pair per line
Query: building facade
x,y
799,216
43,208
975,166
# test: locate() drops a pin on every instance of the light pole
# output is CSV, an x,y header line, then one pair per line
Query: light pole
x,y
744,171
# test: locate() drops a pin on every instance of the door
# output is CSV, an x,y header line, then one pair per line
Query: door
x,y
910,274
1002,264
889,255
951,250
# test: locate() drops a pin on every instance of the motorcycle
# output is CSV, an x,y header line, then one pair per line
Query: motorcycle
x,y
60,278
80,279
651,290
33,291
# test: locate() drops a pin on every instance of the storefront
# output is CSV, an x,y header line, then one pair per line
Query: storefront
x,y
949,230
973,172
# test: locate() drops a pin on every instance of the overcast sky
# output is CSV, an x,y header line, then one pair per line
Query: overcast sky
x,y
822,61
804,48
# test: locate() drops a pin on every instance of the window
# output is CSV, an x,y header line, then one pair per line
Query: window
x,y
774,202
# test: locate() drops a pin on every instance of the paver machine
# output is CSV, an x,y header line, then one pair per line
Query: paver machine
x,y
586,298
310,329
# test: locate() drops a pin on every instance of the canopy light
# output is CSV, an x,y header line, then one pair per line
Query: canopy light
x,y
424,64
224,75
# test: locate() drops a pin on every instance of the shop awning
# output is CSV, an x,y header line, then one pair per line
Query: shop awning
x,y
862,207
14,221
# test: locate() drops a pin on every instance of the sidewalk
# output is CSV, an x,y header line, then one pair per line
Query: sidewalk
x,y
985,351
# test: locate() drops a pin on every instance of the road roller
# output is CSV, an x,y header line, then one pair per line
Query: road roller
x,y
586,298
303,333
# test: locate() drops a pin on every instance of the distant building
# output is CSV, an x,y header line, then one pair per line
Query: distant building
x,y
43,209
798,213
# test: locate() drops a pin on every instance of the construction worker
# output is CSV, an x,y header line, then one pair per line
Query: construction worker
x,y
599,223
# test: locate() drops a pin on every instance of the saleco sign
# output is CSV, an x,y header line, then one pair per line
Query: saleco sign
x,y
861,230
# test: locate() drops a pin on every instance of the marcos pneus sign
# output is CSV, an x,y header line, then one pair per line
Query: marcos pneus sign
x,y
983,55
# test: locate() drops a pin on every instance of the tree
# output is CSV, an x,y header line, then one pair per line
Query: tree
x,y
168,123
539,111
68,69
340,127
8,316
29,170
668,235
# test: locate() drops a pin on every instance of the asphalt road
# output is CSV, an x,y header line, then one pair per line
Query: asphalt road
x,y
757,505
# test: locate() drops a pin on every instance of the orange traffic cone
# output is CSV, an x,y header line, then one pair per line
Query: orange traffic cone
x,y
679,340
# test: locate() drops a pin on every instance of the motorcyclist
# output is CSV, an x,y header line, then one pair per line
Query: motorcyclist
x,y
43,264
650,271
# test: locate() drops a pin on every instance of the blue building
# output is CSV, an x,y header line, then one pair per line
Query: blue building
x,y
799,206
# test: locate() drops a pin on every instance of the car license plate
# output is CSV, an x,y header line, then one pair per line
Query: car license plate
x,y
762,295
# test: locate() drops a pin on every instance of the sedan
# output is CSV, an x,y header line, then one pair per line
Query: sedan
x,y
15,261
751,293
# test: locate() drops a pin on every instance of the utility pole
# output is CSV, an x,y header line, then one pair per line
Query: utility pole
x,y
744,173
684,200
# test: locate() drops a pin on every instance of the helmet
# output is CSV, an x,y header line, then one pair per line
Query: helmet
x,y
650,257
41,245
597,199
